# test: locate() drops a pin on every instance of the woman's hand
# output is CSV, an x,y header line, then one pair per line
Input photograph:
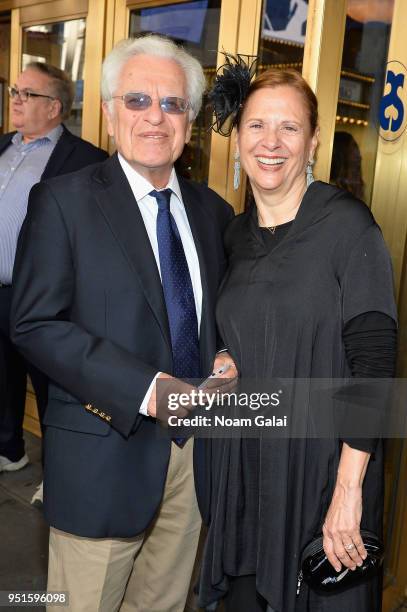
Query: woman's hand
x,y
224,359
342,541
227,380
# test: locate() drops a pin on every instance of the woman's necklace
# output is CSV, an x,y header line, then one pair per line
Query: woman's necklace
x,y
270,228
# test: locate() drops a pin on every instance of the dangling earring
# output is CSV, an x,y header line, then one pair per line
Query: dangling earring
x,y
308,172
236,173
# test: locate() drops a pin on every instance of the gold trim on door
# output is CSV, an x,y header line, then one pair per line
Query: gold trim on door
x,y
389,198
321,69
239,32
389,205
15,52
59,10
6,5
94,53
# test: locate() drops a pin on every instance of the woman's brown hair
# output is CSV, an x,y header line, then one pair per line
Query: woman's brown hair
x,y
275,77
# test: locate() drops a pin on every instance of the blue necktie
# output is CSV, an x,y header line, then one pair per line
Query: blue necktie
x,y
178,292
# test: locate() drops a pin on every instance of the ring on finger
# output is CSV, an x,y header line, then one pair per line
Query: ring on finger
x,y
349,547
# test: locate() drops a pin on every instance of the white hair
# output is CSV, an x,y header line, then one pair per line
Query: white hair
x,y
159,46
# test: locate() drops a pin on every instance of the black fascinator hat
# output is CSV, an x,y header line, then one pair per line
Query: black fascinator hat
x,y
230,90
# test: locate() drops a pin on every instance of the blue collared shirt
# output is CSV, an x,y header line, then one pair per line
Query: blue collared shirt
x,y
21,166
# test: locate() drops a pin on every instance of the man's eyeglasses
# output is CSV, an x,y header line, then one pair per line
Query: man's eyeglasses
x,y
23,94
140,101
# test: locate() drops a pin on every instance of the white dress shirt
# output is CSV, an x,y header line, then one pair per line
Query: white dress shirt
x,y
148,206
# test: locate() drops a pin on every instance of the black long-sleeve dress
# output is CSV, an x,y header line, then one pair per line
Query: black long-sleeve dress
x,y
282,313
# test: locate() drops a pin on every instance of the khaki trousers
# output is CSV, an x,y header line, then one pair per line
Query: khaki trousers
x,y
148,573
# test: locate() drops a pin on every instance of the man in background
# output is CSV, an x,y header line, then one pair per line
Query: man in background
x,y
41,147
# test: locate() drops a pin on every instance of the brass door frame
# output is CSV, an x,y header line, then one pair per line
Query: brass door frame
x,y
321,68
239,32
15,50
6,5
389,198
389,206
92,116
396,581
48,12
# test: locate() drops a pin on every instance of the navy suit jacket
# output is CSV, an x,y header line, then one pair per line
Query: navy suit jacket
x,y
89,311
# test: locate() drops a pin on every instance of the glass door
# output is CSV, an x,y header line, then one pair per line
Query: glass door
x,y
195,26
281,43
282,35
362,73
70,35
61,44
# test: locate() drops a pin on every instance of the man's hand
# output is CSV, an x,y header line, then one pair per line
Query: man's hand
x,y
158,404
223,359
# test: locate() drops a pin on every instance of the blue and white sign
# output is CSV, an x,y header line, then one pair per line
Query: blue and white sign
x,y
285,20
393,109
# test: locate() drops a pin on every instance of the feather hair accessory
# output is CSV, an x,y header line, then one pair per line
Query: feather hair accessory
x,y
230,90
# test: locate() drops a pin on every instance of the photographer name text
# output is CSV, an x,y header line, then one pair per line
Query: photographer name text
x,y
223,421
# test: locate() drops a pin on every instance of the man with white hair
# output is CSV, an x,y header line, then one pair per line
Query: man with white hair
x,y
115,283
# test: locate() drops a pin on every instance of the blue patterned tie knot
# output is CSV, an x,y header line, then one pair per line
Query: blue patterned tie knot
x,y
163,199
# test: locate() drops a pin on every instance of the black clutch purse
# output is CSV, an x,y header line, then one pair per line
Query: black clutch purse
x,y
318,573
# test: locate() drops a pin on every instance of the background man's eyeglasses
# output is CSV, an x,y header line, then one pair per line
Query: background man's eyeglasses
x,y
24,95
140,101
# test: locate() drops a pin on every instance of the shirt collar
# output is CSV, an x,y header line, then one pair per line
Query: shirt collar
x,y
141,187
52,136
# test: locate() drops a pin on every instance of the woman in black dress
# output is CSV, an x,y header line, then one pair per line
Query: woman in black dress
x,y
308,294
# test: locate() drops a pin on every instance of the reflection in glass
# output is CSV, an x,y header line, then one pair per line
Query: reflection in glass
x,y
367,35
61,44
194,25
346,166
283,34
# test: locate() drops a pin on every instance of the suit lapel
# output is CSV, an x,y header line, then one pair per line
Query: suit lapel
x,y
116,201
61,151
